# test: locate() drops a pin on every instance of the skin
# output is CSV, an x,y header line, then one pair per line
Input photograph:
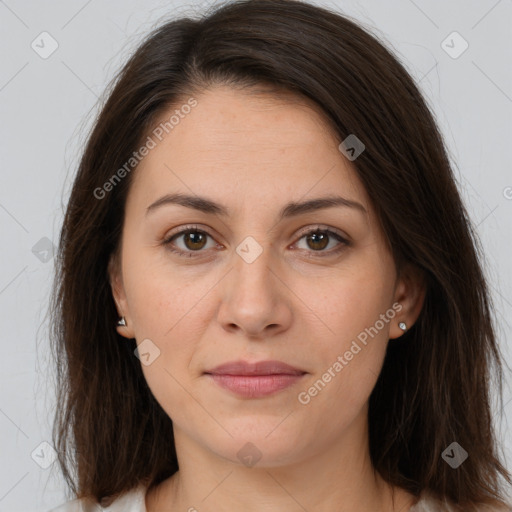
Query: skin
x,y
253,152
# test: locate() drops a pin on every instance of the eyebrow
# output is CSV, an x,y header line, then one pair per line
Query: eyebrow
x,y
291,209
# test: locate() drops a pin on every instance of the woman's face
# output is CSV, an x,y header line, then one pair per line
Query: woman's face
x,y
250,284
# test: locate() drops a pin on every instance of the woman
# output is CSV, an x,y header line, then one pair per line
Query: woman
x,y
269,293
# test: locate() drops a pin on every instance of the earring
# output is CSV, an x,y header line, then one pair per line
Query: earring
x,y
121,322
402,326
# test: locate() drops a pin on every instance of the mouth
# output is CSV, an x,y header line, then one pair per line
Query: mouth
x,y
253,380
258,368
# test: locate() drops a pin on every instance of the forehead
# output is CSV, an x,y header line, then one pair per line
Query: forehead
x,y
232,120
248,145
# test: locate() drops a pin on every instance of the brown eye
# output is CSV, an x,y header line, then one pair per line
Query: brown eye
x,y
188,241
318,240
194,240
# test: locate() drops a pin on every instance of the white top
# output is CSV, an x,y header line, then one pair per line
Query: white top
x,y
134,501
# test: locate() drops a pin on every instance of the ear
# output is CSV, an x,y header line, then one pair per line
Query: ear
x,y
118,292
410,293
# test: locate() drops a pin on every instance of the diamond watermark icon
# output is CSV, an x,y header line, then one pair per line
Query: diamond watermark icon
x,y
249,249
147,352
44,45
44,455
454,45
352,147
248,455
454,455
44,249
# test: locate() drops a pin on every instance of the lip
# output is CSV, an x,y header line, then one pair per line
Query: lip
x,y
253,380
258,368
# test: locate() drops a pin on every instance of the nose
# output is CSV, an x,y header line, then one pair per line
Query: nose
x,y
254,298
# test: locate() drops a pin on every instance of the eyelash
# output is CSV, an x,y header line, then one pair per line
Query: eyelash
x,y
318,230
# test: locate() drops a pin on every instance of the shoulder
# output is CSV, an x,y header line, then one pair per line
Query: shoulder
x,y
132,501
428,502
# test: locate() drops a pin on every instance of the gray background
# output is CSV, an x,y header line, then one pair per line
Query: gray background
x,y
46,108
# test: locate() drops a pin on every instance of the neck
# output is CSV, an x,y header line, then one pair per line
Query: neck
x,y
340,479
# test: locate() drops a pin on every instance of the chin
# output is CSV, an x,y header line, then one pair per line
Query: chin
x,y
261,442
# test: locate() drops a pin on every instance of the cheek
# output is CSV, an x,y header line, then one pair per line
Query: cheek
x,y
168,311
354,314
349,304
160,297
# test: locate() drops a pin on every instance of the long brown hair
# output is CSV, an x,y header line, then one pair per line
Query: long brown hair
x,y
109,432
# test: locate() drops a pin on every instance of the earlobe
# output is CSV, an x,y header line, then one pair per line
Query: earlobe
x,y
410,294
124,330
122,325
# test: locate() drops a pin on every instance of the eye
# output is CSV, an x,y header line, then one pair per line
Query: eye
x,y
318,239
194,240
